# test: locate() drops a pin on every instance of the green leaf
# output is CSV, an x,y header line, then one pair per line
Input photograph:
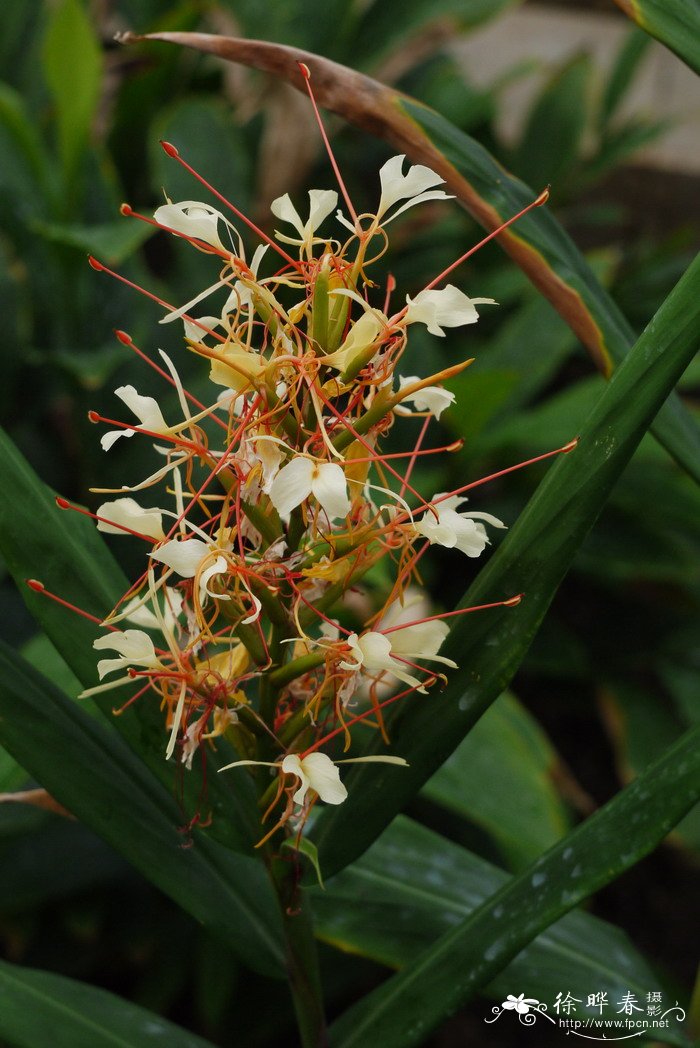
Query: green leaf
x,y
94,774
640,726
204,130
26,169
33,841
539,245
532,560
72,61
413,886
38,539
502,778
11,775
41,654
622,74
503,379
676,23
379,31
305,847
111,242
549,257
403,1010
552,138
43,1010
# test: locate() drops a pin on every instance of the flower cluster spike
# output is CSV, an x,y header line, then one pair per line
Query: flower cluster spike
x,y
280,500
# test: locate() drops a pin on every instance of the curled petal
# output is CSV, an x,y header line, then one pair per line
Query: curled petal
x,y
433,399
321,204
134,647
126,514
422,639
457,530
376,651
218,567
317,772
146,409
192,219
108,439
446,307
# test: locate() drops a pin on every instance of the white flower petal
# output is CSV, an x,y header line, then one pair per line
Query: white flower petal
x,y
397,186
433,399
218,567
422,639
177,314
284,209
145,408
193,219
435,194
330,489
321,204
444,307
291,765
194,329
184,557
376,652
130,515
134,647
455,530
255,614
110,438
324,778
292,485
317,772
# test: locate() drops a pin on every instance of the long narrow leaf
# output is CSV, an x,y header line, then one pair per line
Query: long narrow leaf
x,y
413,886
66,552
539,245
94,774
43,1010
489,646
406,1008
675,23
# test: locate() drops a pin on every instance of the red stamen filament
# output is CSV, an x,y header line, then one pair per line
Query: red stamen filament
x,y
64,504
416,452
509,603
202,245
306,73
537,202
101,268
125,338
456,445
174,153
39,587
184,445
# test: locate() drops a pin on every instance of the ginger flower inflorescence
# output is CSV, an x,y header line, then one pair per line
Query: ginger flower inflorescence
x,y
250,621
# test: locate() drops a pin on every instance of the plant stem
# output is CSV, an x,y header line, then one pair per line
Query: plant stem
x,y
301,954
